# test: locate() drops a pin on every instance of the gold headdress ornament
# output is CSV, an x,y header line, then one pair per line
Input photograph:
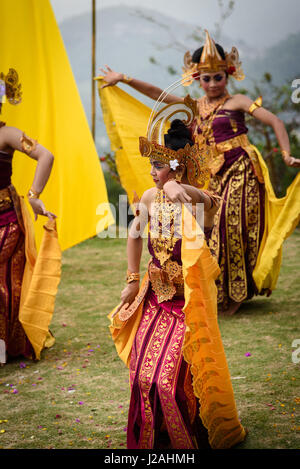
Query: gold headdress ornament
x,y
188,157
10,88
211,61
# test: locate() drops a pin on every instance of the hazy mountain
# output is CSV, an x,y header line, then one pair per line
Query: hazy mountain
x,y
144,44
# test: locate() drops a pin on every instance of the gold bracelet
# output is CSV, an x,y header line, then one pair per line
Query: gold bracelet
x,y
132,276
285,153
126,79
32,194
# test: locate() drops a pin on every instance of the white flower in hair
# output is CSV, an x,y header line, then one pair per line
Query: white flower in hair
x,y
174,164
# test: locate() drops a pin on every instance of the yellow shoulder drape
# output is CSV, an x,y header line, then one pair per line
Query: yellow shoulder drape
x,y
51,112
40,282
203,347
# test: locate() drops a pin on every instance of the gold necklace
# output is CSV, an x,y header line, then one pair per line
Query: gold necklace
x,y
164,227
205,107
207,113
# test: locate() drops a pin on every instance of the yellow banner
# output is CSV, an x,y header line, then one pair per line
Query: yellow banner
x,y
51,112
126,119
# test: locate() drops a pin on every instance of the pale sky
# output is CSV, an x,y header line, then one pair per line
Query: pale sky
x,y
255,21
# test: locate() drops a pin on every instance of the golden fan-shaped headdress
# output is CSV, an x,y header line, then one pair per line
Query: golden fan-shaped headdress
x,y
188,157
211,61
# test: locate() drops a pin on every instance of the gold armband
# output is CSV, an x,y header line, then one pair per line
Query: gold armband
x,y
255,105
32,194
126,79
28,144
132,276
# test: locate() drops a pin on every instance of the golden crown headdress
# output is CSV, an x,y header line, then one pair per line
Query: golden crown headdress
x,y
10,88
189,157
211,61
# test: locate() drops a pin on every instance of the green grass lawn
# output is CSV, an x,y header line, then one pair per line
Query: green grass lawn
x,y
77,396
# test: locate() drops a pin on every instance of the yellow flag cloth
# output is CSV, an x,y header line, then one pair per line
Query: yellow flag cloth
x,y
126,119
282,215
52,113
203,347
40,283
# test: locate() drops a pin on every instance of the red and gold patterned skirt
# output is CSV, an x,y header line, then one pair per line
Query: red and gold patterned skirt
x,y
238,230
12,262
163,412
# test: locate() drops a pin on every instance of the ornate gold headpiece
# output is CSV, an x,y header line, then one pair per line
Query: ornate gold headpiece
x,y
10,88
188,157
211,61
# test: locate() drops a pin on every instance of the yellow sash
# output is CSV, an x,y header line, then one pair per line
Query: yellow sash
x,y
281,218
40,283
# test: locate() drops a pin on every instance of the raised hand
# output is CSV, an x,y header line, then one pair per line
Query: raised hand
x,y
292,162
110,76
176,193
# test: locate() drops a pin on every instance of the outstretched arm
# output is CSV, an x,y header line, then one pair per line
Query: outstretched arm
x,y
12,139
243,103
112,78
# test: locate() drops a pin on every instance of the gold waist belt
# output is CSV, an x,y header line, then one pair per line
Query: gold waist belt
x,y
5,199
167,282
242,141
235,142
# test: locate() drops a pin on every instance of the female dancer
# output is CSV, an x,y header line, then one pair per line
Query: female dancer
x,y
13,340
238,175
166,331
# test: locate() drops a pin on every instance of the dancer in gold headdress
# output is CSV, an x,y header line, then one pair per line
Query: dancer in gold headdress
x,y
23,328
167,331
251,223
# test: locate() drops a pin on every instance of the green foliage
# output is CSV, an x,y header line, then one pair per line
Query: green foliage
x,y
114,190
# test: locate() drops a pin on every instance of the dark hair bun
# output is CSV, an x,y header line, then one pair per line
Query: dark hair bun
x,y
178,135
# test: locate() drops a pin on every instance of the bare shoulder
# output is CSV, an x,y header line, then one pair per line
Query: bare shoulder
x,y
8,137
7,133
238,102
148,196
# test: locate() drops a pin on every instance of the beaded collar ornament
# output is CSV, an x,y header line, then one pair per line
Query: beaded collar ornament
x,y
189,157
